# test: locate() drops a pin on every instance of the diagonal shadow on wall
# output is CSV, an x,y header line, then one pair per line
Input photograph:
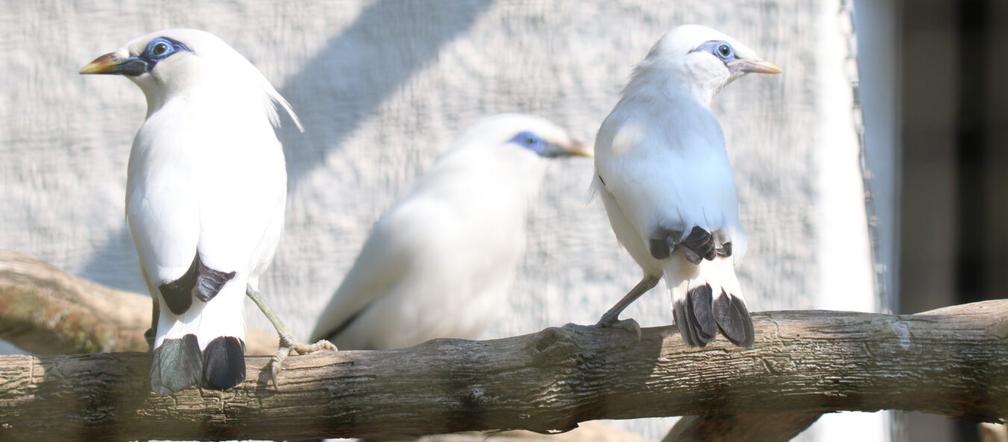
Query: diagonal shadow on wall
x,y
333,93
347,81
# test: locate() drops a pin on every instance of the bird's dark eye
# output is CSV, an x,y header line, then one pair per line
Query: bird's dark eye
x,y
529,140
724,51
162,47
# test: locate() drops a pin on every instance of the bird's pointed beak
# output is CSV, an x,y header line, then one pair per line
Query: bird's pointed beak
x,y
757,66
576,149
115,63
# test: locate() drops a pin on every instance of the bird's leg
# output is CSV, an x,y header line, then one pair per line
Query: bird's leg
x,y
288,345
611,317
150,333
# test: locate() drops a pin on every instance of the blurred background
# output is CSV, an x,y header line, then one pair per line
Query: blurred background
x,y
901,103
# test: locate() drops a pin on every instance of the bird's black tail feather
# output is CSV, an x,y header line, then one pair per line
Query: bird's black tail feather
x,y
733,319
178,364
224,363
701,315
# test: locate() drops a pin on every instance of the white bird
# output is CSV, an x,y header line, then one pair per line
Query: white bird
x,y
205,197
440,262
665,180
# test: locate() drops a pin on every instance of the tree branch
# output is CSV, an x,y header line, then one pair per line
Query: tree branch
x,y
45,310
951,361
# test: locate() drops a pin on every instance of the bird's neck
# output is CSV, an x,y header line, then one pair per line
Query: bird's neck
x,y
675,81
219,100
499,167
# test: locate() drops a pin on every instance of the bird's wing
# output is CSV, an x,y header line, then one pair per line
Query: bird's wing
x,y
667,170
241,206
163,217
384,262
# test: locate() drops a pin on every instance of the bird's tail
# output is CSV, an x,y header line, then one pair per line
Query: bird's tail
x,y
707,299
222,336
203,345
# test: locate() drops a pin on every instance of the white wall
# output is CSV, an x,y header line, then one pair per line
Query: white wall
x,y
381,87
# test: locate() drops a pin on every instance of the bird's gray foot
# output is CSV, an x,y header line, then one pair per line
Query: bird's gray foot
x,y
611,317
288,346
629,325
608,319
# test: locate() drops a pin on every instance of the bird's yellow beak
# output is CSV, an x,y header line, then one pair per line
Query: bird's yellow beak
x,y
115,63
758,67
578,149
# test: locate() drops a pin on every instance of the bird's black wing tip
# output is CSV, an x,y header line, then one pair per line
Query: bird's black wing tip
x,y
200,280
209,282
177,294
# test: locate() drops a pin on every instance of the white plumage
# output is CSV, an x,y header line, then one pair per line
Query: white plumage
x,y
440,262
666,182
205,197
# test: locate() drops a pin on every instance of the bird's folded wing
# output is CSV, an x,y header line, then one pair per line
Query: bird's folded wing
x,y
165,230
382,263
668,180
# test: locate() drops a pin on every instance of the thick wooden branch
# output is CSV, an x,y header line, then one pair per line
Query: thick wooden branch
x,y
952,361
45,310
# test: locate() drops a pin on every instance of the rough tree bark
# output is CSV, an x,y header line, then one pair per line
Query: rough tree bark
x,y
47,311
951,361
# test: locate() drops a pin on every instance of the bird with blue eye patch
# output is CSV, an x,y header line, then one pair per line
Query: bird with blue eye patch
x,y
718,48
440,262
162,47
538,145
206,192
663,174
114,63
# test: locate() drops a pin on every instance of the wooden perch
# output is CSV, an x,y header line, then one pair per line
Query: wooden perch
x,y
952,361
45,310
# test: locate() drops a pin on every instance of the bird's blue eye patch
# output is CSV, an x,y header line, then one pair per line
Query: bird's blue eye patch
x,y
530,141
161,48
718,48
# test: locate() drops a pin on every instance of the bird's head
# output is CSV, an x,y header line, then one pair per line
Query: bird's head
x,y
166,60
523,135
704,58
174,61
509,150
